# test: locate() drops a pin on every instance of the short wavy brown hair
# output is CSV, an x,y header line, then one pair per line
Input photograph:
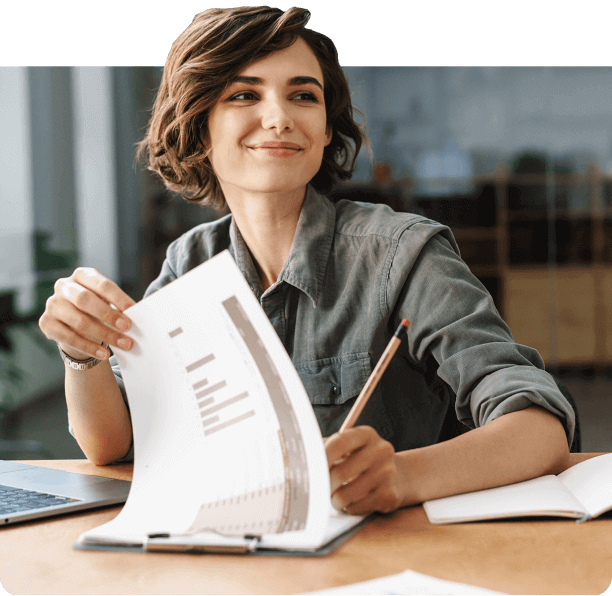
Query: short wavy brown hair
x,y
217,45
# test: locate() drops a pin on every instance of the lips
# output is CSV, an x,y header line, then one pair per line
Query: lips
x,y
276,145
277,148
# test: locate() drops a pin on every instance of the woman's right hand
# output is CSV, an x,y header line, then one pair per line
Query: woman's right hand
x,y
85,311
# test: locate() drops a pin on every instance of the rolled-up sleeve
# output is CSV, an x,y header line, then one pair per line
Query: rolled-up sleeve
x,y
454,320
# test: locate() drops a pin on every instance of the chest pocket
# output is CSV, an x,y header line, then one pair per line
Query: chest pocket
x,y
333,384
333,381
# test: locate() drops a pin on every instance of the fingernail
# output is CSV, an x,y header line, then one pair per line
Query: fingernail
x,y
122,324
101,353
124,344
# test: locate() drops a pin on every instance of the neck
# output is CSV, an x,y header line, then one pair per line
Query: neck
x,y
267,222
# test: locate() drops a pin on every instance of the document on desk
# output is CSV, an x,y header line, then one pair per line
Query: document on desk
x,y
227,449
408,582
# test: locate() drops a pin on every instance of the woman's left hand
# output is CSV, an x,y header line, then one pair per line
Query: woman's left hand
x,y
363,472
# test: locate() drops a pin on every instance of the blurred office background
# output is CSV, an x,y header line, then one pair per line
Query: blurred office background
x,y
517,161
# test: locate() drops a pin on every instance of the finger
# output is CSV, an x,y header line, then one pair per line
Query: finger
x,y
103,287
76,328
358,462
374,455
347,470
361,487
380,499
91,304
68,338
340,445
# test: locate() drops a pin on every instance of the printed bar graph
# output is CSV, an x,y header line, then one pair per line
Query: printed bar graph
x,y
224,404
198,363
210,421
207,402
210,389
229,423
287,500
207,398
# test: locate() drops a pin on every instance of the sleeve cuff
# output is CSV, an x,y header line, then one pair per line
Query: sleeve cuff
x,y
512,389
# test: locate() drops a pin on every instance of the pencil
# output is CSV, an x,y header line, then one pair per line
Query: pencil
x,y
377,373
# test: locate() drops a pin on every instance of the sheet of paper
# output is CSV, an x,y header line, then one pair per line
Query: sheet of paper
x,y
337,524
225,437
408,582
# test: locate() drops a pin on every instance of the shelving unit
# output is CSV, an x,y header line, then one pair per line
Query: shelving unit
x,y
542,245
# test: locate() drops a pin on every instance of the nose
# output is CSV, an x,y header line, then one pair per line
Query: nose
x,y
276,115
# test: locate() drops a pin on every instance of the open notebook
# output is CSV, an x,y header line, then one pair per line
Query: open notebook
x,y
228,454
582,492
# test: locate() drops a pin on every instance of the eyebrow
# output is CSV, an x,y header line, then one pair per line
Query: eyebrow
x,y
293,82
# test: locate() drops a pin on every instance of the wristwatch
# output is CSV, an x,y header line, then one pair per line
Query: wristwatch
x,y
79,364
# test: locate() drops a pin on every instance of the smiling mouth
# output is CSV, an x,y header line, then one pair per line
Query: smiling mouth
x,y
276,145
277,149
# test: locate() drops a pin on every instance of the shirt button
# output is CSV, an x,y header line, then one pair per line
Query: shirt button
x,y
336,390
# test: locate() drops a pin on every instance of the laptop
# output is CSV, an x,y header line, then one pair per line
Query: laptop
x,y
30,492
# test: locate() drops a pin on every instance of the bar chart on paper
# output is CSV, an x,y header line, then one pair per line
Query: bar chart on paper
x,y
229,397
210,411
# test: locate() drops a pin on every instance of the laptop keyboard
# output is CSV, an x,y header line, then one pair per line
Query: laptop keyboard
x,y
17,500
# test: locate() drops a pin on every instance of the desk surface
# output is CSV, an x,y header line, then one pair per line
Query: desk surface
x,y
516,557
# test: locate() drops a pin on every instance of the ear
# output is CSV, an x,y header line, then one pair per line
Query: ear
x,y
328,136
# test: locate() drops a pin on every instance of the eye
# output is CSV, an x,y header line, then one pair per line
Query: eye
x,y
243,96
306,96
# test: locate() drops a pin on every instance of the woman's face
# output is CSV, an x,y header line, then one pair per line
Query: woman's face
x,y
268,130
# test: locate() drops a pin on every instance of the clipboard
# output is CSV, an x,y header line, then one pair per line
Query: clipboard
x,y
249,545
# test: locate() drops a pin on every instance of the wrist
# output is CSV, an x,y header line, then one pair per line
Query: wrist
x,y
79,364
407,465
73,353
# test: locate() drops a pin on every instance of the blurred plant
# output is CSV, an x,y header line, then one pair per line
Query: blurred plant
x,y
11,375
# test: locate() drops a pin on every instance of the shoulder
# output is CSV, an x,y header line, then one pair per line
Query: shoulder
x,y
375,220
199,244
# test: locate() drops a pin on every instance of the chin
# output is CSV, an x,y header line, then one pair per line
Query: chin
x,y
279,183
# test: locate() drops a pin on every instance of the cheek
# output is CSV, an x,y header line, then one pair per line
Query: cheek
x,y
324,134
224,147
226,130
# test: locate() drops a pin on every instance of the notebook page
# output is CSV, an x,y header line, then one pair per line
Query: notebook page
x,y
224,434
533,497
591,483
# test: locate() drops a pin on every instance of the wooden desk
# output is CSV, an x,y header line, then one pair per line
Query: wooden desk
x,y
519,557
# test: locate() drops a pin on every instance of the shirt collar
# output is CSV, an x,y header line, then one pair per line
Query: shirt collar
x,y
305,266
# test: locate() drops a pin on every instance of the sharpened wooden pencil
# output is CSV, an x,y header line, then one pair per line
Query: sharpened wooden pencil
x,y
377,373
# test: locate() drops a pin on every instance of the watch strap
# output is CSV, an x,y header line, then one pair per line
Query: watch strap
x,y
79,364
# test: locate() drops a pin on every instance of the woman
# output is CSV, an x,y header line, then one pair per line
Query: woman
x,y
254,110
